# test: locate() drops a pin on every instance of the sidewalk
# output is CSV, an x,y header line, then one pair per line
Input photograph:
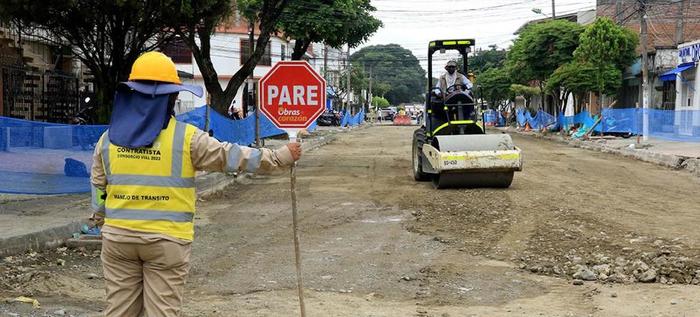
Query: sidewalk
x,y
673,154
30,222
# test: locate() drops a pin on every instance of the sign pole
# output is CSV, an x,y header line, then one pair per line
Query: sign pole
x,y
295,227
293,96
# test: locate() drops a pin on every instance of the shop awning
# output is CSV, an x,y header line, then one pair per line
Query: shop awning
x,y
671,74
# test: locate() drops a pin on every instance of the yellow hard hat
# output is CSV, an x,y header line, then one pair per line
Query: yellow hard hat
x,y
154,66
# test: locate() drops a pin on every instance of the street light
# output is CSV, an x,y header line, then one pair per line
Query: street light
x,y
538,11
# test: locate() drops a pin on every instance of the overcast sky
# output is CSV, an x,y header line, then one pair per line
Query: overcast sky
x,y
413,23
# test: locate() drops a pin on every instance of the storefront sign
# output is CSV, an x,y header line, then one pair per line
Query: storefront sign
x,y
689,52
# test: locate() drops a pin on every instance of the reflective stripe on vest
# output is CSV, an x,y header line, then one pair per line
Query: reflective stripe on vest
x,y
134,214
152,189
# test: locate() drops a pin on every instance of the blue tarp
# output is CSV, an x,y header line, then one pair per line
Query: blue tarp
x,y
232,131
348,119
671,74
345,119
539,121
682,125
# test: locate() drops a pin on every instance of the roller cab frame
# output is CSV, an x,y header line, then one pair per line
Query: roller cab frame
x,y
452,148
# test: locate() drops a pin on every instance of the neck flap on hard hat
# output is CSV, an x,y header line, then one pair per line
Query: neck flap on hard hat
x,y
137,118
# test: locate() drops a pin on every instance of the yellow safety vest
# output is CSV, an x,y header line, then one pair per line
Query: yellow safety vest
x,y
151,189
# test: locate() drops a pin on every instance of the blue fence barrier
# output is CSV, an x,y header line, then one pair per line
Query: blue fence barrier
x,y
490,116
47,158
495,118
675,125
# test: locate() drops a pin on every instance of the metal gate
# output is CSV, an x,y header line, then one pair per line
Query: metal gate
x,y
30,94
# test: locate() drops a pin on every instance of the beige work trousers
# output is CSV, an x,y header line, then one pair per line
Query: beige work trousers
x,y
145,277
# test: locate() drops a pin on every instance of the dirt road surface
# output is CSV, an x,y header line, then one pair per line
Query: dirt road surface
x,y
377,243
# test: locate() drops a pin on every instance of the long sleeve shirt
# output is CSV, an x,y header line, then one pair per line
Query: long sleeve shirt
x,y
207,154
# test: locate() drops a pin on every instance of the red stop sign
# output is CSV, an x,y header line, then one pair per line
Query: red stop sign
x,y
292,94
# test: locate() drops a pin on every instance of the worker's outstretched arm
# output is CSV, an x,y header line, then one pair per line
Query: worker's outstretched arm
x,y
208,154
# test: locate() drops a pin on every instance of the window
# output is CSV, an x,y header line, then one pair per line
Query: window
x,y
178,51
283,51
245,53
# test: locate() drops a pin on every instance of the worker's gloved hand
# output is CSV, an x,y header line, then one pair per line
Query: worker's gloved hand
x,y
295,149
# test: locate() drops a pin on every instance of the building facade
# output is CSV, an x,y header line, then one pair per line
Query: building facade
x,y
40,80
687,101
669,23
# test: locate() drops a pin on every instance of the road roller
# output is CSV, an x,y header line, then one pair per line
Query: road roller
x,y
451,148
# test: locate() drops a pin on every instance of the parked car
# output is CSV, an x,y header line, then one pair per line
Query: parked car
x,y
329,118
387,114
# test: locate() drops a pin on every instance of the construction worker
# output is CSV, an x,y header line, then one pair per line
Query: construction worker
x,y
143,184
451,80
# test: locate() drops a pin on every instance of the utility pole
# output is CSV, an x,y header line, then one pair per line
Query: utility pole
x,y
645,70
370,88
348,69
679,22
554,15
325,61
251,49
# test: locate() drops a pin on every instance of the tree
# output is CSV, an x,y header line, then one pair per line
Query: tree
x,y
540,49
379,88
380,102
107,36
485,59
331,22
195,22
610,48
577,78
396,67
572,78
494,86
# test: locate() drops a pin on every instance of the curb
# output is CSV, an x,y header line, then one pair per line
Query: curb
x,y
212,184
57,236
40,240
677,162
692,165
